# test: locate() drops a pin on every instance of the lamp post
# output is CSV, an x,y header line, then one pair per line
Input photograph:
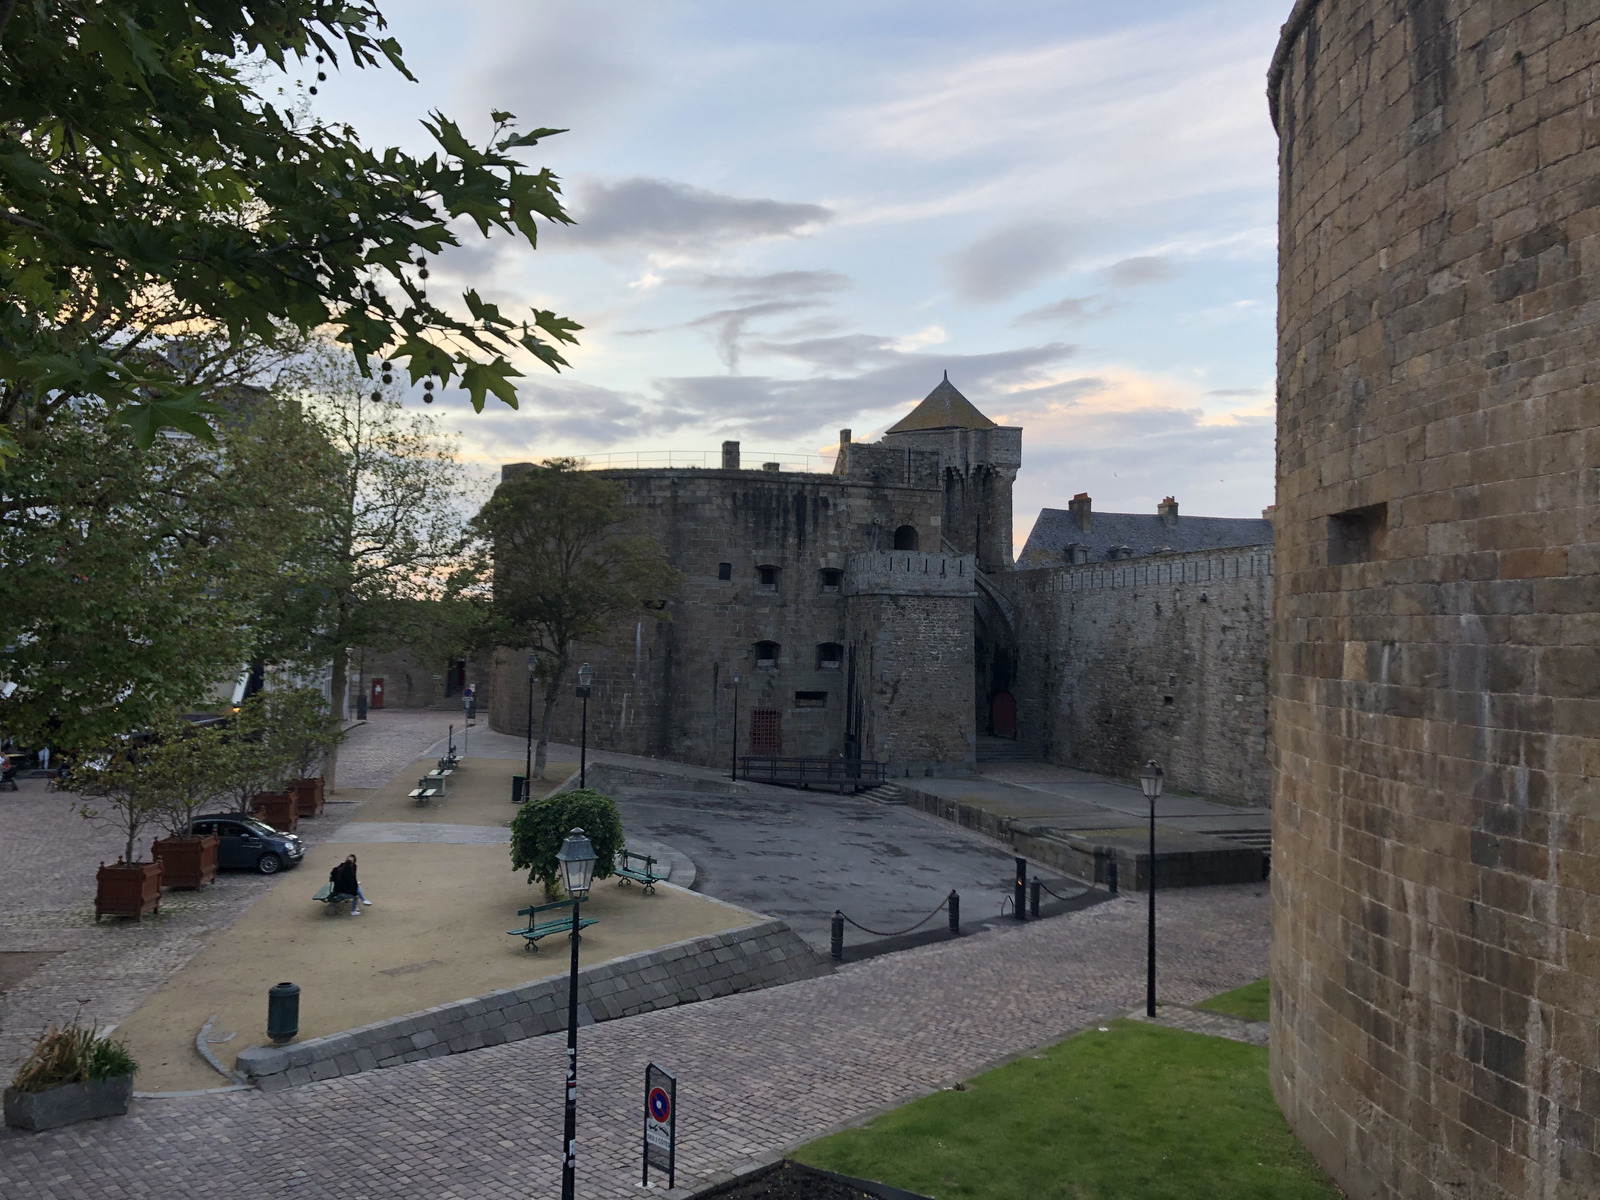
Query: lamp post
x,y
585,678
733,756
1150,781
527,776
576,857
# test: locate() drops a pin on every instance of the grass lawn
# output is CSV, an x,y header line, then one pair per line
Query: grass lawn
x,y
1253,1002
1137,1113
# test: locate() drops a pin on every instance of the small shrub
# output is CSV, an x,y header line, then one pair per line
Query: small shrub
x,y
72,1053
542,825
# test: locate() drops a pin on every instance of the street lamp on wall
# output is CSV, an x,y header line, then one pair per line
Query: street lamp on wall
x,y
585,678
1150,781
577,858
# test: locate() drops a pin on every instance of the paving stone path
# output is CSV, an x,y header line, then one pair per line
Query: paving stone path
x,y
1212,1024
757,1072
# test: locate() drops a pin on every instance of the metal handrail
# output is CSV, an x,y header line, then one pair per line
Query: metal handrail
x,y
808,772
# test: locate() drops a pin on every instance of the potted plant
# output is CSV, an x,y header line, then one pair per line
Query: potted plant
x,y
188,768
257,767
118,789
301,728
71,1075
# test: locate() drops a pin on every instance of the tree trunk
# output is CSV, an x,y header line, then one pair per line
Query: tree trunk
x,y
341,667
551,692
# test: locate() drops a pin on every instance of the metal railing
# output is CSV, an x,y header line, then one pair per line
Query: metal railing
x,y
838,773
749,460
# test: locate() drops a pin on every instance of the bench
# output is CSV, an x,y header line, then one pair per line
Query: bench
x,y
438,778
331,898
645,873
450,760
536,929
424,791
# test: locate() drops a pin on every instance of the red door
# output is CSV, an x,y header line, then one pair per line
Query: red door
x,y
1003,714
377,693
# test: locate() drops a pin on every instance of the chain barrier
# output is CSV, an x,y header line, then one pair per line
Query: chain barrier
x,y
900,932
1075,895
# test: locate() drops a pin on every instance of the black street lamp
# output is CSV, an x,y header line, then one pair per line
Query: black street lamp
x,y
527,778
576,857
1150,781
733,757
585,678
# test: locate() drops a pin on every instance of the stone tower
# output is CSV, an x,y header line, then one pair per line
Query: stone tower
x,y
1436,629
978,461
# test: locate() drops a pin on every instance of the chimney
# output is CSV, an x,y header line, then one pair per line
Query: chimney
x,y
1079,508
844,438
730,456
1167,510
773,467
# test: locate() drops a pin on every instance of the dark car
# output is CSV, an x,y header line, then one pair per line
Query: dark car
x,y
243,841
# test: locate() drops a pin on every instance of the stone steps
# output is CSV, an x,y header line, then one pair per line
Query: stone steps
x,y
884,793
1002,750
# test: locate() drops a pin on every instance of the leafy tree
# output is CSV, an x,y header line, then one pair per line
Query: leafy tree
x,y
117,787
383,532
567,569
187,766
540,827
254,761
299,725
158,215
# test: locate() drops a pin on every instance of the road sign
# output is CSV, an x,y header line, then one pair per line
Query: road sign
x,y
660,1124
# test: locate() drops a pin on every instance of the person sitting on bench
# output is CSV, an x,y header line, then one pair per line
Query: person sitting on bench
x,y
345,883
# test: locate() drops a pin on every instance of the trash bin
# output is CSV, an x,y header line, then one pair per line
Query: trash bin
x,y
518,789
283,1012
361,708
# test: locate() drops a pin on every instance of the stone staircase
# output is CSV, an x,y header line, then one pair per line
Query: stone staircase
x,y
884,793
1005,750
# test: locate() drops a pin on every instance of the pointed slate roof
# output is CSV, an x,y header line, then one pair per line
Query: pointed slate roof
x,y
942,408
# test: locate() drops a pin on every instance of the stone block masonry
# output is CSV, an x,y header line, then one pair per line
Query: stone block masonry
x,y
1162,658
720,964
1436,628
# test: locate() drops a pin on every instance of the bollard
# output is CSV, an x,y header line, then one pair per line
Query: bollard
x,y
1019,902
1033,899
283,1012
1111,874
837,938
954,902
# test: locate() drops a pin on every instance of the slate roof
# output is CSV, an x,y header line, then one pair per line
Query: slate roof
x,y
1142,533
942,408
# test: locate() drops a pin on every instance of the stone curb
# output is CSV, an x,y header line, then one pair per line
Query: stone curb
x,y
762,955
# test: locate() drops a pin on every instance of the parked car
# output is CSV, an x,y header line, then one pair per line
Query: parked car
x,y
243,841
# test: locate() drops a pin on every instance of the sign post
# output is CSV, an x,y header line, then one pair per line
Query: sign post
x,y
660,1125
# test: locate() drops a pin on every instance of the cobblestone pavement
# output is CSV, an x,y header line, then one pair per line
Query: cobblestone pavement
x,y
106,970
757,1072
1212,1024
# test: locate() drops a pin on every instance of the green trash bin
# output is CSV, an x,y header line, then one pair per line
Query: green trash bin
x,y
518,788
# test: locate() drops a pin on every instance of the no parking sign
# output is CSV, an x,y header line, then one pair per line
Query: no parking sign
x,y
660,1124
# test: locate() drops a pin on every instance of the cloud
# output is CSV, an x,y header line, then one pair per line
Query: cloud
x,y
1237,392
665,214
778,283
1008,261
1134,272
1073,310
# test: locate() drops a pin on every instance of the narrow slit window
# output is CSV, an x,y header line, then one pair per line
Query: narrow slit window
x,y
811,699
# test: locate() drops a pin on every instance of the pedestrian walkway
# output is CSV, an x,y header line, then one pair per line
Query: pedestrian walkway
x,y
757,1073
1212,1024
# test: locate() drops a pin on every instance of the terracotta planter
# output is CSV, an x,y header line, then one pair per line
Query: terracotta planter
x,y
277,809
186,862
307,795
127,890
68,1104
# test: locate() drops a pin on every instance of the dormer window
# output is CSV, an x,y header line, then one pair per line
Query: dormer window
x,y
766,579
830,656
832,578
767,655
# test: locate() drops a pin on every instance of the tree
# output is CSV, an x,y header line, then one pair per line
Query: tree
x,y
540,827
119,789
158,215
299,726
254,761
385,531
567,569
187,768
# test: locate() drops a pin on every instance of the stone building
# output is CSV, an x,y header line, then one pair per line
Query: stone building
x,y
875,612
1436,632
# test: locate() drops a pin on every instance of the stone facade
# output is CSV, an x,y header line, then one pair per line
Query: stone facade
x,y
1436,630
1162,657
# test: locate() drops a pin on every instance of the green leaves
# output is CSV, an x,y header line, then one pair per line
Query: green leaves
x,y
150,197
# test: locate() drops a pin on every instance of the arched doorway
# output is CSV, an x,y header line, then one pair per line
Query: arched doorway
x,y
905,538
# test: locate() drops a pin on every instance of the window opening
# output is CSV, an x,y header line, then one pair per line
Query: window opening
x,y
811,699
724,571
766,654
766,731
767,579
832,578
830,656
905,538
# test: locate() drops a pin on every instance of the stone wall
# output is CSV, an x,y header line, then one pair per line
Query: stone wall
x,y
1436,632
1162,657
719,964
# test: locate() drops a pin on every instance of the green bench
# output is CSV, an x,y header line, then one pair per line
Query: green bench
x,y
645,873
331,898
536,929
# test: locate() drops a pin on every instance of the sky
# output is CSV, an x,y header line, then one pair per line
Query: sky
x,y
793,218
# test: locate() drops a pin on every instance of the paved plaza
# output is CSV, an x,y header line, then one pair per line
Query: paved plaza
x,y
757,1072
